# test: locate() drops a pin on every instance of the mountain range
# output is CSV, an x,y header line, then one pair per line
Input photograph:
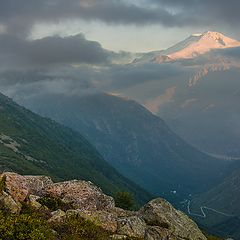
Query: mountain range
x,y
30,144
173,139
218,209
199,102
192,47
137,143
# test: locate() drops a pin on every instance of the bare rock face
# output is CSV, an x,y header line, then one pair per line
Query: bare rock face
x,y
15,185
81,194
20,187
159,212
9,204
36,184
132,227
155,232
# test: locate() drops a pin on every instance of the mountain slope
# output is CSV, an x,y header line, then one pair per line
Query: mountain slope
x,y
224,199
193,46
133,140
32,144
199,103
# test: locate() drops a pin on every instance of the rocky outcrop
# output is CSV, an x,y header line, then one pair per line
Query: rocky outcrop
x,y
15,185
81,194
36,184
162,215
155,220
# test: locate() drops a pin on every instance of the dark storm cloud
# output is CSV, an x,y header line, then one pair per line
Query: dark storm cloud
x,y
212,11
53,50
229,53
83,79
125,76
20,15
54,55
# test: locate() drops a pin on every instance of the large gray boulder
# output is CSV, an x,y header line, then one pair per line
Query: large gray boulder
x,y
161,213
20,187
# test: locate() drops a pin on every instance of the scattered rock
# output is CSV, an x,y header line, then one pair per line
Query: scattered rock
x,y
57,216
132,227
73,213
32,199
118,237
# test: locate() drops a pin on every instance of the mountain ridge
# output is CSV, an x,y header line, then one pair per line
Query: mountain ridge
x,y
136,142
33,144
193,46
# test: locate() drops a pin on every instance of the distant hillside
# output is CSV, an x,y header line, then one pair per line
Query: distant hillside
x,y
32,144
136,142
221,206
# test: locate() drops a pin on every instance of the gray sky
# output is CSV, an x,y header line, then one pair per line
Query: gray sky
x,y
69,46
131,25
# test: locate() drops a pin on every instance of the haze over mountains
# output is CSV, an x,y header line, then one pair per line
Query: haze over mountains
x,y
138,96
221,206
190,85
199,101
137,143
31,144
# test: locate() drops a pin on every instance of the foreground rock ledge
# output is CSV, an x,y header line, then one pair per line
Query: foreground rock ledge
x,y
155,220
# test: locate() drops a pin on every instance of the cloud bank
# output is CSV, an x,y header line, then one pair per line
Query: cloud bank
x,y
19,16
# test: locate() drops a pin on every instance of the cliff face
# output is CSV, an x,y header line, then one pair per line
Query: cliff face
x,y
80,199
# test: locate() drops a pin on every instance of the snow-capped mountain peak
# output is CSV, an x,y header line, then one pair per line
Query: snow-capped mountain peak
x,y
198,44
193,46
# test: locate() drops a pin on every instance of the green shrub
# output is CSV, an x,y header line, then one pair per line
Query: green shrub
x,y
54,203
24,227
213,238
42,213
74,228
3,184
124,200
